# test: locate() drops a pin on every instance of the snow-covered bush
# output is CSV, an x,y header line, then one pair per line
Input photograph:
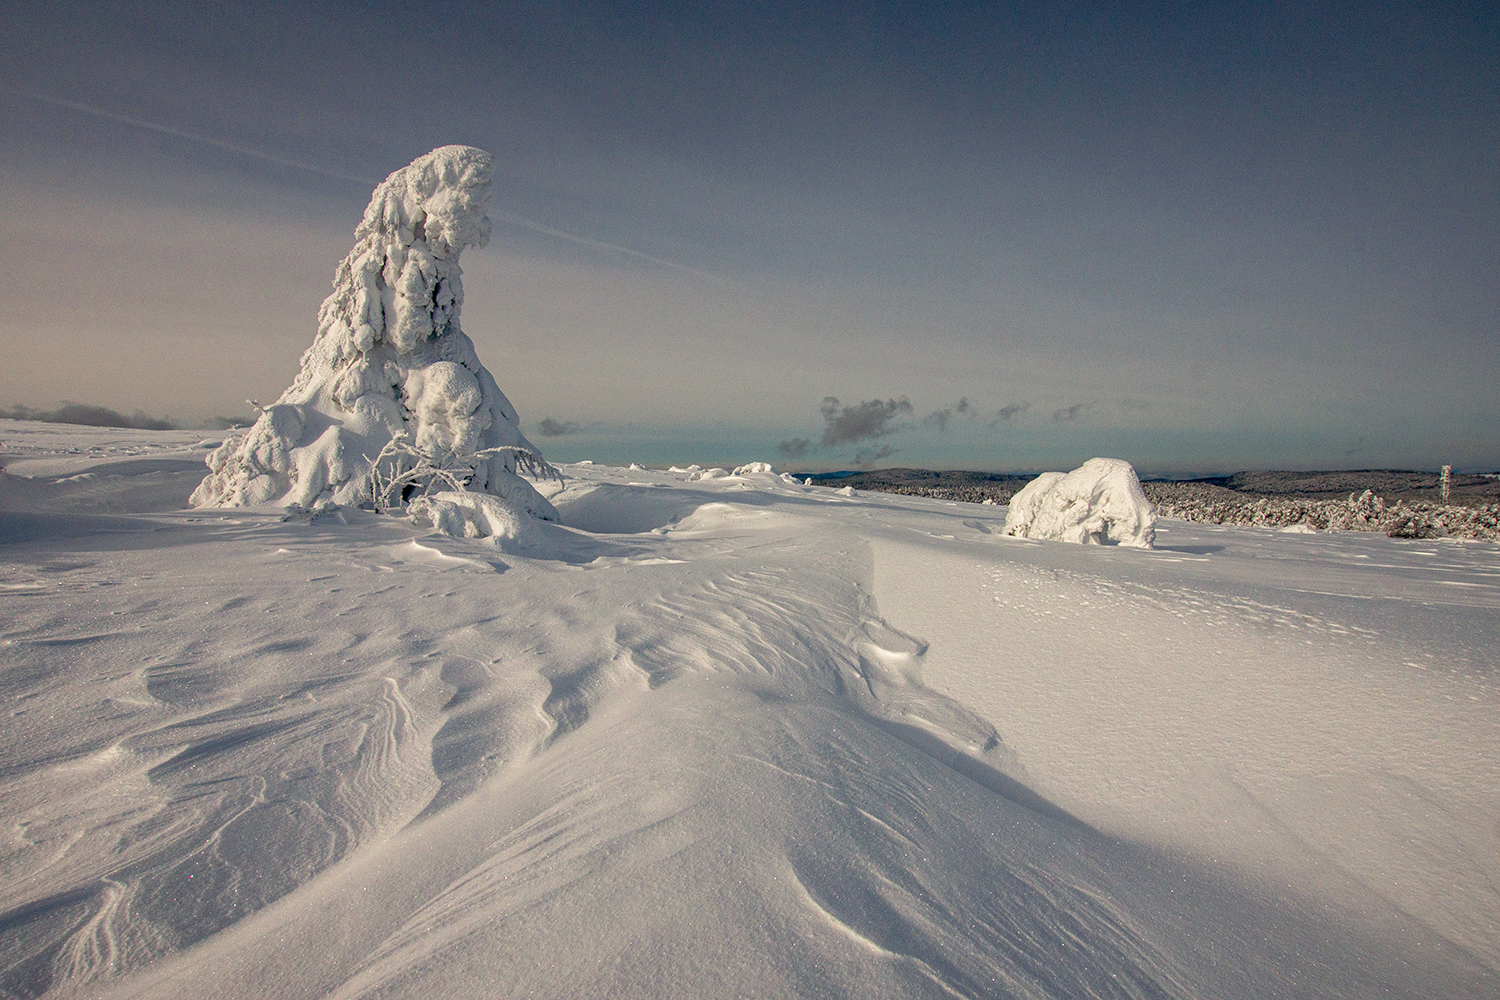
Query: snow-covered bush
x,y
391,401
1100,502
463,514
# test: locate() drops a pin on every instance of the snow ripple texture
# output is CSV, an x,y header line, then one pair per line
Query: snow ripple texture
x,y
726,740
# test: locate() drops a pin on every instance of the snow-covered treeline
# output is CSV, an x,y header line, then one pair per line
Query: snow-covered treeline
x,y
1361,512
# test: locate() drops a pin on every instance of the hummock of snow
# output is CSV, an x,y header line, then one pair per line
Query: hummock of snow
x,y
695,473
465,514
391,384
1100,502
752,468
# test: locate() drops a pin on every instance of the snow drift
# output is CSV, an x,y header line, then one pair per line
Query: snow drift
x,y
391,399
1100,503
730,737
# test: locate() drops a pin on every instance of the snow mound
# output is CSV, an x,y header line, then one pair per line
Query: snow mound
x,y
391,399
753,468
463,514
1099,503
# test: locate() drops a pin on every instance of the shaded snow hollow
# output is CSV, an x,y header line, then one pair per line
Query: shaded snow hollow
x,y
1100,502
391,385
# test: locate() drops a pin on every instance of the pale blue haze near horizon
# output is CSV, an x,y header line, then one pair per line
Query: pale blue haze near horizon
x,y
1193,236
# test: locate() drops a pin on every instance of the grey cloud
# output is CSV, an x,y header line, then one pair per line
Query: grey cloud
x,y
90,416
940,418
860,458
795,448
1068,414
1008,411
554,428
871,419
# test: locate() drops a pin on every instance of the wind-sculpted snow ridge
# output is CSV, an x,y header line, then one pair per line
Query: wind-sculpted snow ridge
x,y
1100,503
391,399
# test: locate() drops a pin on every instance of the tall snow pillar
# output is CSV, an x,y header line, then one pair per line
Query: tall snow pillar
x,y
391,395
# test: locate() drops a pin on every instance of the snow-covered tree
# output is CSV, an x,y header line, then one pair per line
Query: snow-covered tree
x,y
1100,502
391,399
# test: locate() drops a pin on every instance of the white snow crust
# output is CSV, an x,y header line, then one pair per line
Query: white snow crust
x,y
1099,503
466,514
391,383
724,737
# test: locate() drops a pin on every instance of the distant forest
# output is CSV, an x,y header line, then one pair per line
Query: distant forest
x,y
88,415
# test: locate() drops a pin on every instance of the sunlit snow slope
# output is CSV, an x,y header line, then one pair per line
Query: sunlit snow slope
x,y
731,737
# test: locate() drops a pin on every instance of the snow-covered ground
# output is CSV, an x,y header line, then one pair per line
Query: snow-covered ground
x,y
728,737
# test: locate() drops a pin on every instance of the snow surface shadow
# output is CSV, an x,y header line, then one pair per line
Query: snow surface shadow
x,y
129,486
610,509
982,774
30,527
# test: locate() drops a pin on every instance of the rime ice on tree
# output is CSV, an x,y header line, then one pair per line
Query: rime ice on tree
x,y
391,395
1100,502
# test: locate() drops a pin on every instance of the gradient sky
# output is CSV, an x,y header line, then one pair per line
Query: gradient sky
x,y
999,236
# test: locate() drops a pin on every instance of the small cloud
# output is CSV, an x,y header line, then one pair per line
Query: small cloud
x,y
795,448
553,428
871,419
940,418
886,452
1009,410
1068,414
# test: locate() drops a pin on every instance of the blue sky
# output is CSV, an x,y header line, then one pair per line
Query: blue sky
x,y
1191,236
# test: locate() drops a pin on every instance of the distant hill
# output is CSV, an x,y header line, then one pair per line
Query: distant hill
x,y
1391,484
973,487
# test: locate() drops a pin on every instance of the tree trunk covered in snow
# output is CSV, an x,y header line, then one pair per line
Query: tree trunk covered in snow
x,y
391,398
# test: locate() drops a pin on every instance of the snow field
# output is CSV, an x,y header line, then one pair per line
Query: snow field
x,y
734,736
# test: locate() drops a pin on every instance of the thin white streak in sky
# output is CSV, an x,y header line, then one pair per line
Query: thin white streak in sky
x,y
516,220
506,217
193,137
